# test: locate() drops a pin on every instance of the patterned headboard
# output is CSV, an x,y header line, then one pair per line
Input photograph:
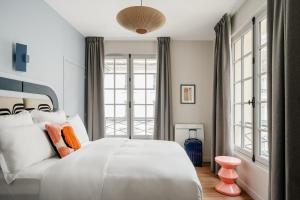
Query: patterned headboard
x,y
46,100
13,105
38,104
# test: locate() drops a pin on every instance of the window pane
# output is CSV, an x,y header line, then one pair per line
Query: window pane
x,y
151,96
108,81
121,81
248,66
248,42
263,88
139,97
248,115
150,111
109,111
139,81
121,96
264,149
263,31
263,116
121,111
109,96
248,90
115,84
150,127
121,127
151,81
121,65
237,50
151,66
109,126
109,66
139,111
237,93
139,66
237,71
263,60
245,116
139,127
248,139
237,114
237,136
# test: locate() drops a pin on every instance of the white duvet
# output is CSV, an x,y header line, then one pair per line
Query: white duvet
x,y
123,169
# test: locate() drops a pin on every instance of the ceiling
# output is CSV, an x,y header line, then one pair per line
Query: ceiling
x,y
185,19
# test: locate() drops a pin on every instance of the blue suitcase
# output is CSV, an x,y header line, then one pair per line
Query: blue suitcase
x,y
193,148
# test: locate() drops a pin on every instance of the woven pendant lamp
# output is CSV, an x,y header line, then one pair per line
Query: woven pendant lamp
x,y
141,19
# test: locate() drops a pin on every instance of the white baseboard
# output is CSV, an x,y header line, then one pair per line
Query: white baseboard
x,y
249,190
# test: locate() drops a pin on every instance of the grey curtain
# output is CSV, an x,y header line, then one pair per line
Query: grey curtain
x,y
284,98
94,54
221,95
163,125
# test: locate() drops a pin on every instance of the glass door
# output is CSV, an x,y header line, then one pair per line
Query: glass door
x,y
143,96
116,96
129,96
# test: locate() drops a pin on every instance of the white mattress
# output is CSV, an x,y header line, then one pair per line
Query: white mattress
x,y
27,184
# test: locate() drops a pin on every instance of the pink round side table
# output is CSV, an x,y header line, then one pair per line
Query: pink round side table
x,y
228,175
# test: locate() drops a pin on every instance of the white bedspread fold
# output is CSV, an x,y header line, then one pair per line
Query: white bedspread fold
x,y
122,169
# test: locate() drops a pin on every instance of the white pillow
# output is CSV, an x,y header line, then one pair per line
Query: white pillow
x,y
22,146
51,117
79,129
20,119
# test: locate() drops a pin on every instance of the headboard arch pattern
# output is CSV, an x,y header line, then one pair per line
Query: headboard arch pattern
x,y
22,86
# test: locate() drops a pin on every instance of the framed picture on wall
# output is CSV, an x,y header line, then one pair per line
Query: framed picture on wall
x,y
187,93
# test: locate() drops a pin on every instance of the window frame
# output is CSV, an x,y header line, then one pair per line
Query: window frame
x,y
256,115
120,56
236,38
139,56
259,18
130,90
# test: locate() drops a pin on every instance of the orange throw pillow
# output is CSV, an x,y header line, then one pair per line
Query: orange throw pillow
x,y
70,137
55,133
63,138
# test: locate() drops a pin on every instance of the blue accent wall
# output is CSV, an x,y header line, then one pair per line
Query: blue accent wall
x,y
50,40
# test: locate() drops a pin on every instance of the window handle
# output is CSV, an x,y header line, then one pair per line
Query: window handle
x,y
252,102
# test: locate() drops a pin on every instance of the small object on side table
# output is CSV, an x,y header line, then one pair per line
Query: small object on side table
x,y
228,175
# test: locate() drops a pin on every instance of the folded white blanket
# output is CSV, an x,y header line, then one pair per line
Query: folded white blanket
x,y
122,169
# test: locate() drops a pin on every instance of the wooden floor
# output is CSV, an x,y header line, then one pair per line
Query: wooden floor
x,y
209,180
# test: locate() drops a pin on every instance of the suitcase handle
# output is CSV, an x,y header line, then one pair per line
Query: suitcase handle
x,y
192,129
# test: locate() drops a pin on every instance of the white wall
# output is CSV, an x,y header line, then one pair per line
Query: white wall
x,y
130,47
192,62
245,13
50,39
253,176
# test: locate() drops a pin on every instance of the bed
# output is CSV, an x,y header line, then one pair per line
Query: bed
x,y
106,169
